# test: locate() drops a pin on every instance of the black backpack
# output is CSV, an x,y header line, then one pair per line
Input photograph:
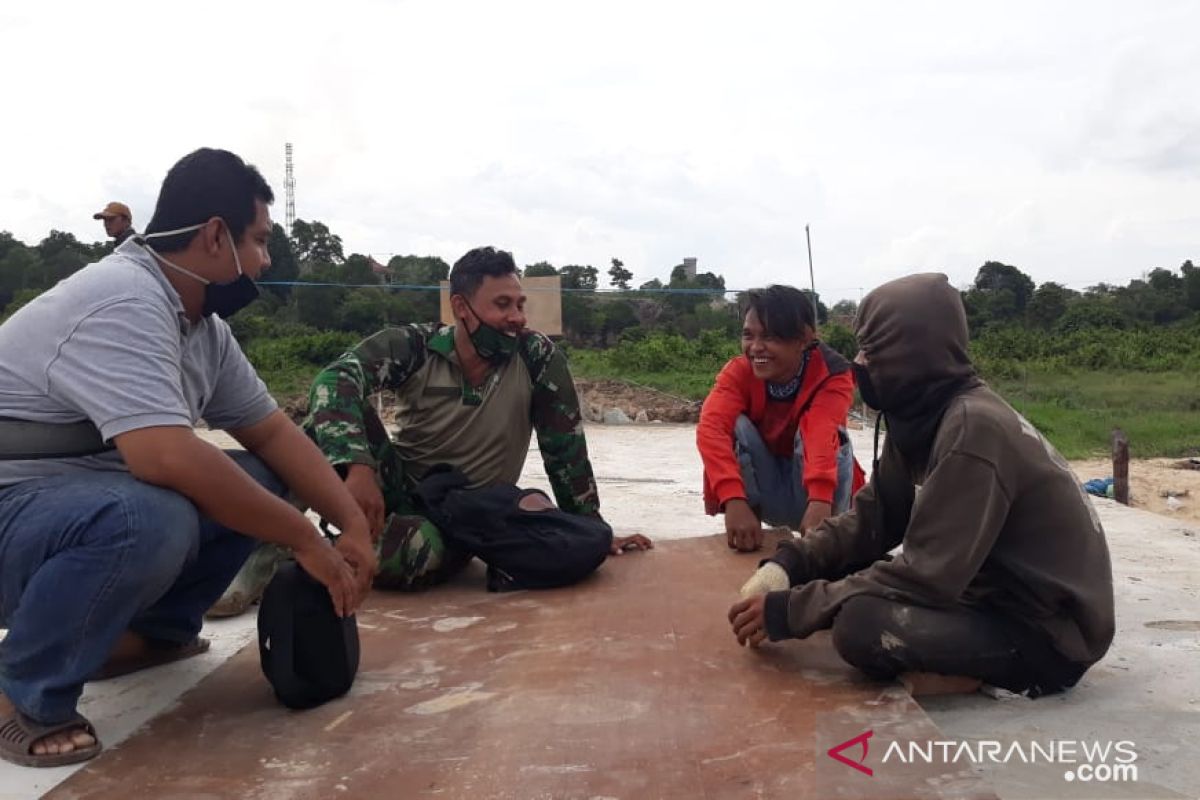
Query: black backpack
x,y
308,653
523,549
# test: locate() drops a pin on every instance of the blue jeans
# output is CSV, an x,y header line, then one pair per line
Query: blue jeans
x,y
775,484
85,557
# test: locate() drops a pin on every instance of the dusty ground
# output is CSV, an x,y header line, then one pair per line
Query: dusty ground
x,y
601,395
1150,481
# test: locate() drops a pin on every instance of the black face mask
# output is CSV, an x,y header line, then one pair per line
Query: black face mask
x,y
226,299
222,299
865,388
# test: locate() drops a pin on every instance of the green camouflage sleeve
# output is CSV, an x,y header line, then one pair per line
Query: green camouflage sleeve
x,y
559,425
339,402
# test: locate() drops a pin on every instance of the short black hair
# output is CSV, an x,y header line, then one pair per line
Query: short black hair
x,y
782,310
468,272
204,184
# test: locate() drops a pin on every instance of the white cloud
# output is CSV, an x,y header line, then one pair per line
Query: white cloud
x,y
1057,137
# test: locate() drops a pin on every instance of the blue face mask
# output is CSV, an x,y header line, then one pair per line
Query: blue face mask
x,y
222,299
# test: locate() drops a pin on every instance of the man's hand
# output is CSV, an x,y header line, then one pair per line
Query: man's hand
x,y
816,513
356,547
328,566
360,480
748,621
635,542
743,530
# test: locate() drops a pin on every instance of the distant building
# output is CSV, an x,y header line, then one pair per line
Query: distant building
x,y
383,271
689,268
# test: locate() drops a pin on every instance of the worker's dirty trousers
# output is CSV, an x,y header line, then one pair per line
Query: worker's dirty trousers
x,y
886,638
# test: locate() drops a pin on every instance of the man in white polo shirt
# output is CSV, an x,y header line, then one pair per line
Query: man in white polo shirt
x,y
119,526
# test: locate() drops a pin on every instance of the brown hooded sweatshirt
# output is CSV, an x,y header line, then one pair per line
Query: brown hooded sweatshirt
x,y
1000,522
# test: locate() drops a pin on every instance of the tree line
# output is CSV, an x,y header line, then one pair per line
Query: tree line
x,y
1152,322
356,294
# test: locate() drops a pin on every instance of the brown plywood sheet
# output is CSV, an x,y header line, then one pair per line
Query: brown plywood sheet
x,y
629,685
543,304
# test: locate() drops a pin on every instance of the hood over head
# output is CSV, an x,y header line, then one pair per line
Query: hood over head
x,y
913,331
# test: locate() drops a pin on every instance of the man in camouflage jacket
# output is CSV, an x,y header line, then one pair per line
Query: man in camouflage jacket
x,y
469,395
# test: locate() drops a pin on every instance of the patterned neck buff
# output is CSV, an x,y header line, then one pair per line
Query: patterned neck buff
x,y
783,392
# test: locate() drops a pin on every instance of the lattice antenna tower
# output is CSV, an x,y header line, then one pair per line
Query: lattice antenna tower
x,y
289,183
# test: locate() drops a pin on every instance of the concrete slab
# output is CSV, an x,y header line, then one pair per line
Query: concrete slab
x,y
629,685
1146,690
121,706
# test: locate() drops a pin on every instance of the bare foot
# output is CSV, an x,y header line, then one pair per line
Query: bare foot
x,y
130,647
67,741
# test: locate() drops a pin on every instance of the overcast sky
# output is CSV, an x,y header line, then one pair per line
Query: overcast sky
x,y
1063,138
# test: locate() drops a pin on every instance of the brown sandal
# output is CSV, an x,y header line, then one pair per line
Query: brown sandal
x,y
156,654
18,734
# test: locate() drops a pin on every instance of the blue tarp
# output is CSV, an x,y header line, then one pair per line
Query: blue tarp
x,y
1101,487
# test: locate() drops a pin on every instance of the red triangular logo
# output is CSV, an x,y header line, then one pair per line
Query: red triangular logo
x,y
835,752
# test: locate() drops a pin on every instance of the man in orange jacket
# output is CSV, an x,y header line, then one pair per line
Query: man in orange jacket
x,y
772,432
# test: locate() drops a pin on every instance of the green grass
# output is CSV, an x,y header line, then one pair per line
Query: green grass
x,y
688,384
1077,410
288,384
288,364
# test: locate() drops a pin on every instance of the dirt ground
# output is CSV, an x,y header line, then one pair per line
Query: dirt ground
x,y
597,396
1150,481
600,395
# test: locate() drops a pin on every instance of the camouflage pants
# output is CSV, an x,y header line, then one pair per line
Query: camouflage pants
x,y
412,552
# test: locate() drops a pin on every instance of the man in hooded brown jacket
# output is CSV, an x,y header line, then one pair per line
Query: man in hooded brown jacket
x,y
1003,576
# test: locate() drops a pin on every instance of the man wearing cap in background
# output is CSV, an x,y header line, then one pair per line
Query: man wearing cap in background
x,y
118,222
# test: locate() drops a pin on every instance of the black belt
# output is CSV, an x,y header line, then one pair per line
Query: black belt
x,y
21,440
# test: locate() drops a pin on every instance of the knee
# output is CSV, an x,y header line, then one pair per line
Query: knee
x,y
747,442
411,553
845,446
744,431
160,529
862,638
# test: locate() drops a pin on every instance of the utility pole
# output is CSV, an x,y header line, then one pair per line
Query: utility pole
x,y
289,184
811,277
